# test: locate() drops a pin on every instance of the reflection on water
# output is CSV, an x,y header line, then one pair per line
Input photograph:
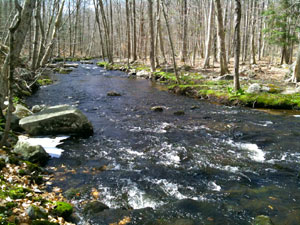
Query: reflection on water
x,y
236,163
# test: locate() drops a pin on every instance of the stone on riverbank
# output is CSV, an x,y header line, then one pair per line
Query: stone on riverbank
x,y
61,119
31,153
143,74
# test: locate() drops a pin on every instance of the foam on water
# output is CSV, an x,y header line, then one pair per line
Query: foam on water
x,y
49,144
255,153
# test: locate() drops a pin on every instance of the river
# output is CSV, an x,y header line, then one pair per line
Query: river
x,y
213,165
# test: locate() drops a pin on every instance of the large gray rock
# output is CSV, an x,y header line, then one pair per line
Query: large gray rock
x,y
254,88
31,153
143,74
21,111
61,119
225,77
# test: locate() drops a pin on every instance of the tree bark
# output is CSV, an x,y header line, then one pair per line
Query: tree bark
x,y
36,35
221,35
296,72
170,40
128,33
19,37
237,44
134,32
209,38
184,31
54,35
150,14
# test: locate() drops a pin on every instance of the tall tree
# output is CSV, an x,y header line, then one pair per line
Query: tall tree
x,y
237,44
209,36
19,40
57,25
170,40
184,31
128,32
151,30
221,35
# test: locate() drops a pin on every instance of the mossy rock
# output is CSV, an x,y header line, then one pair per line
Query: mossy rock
x,y
72,193
94,207
32,167
35,212
63,209
44,82
18,193
262,220
43,222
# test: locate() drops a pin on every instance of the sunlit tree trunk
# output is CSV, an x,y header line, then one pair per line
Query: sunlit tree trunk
x,y
208,37
237,44
151,30
221,35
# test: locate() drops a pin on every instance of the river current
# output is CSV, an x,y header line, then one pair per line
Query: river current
x,y
213,165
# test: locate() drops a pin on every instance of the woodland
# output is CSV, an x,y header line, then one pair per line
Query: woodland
x,y
235,53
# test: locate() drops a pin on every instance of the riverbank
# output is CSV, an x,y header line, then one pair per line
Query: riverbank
x,y
25,196
254,93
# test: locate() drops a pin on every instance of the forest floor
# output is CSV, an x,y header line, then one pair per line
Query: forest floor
x,y
263,85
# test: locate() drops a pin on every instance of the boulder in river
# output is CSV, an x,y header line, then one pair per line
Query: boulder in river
x,y
94,207
179,113
31,153
143,74
113,94
61,119
157,108
262,220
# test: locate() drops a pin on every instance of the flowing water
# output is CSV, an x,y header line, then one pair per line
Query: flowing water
x,y
227,165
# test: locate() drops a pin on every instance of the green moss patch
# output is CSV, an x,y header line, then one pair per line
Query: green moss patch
x,y
62,209
44,82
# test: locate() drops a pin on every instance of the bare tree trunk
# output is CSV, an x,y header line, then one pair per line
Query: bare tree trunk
x,y
161,40
253,52
19,37
36,35
209,38
221,35
134,31
150,15
296,72
184,32
54,35
237,44
170,40
78,2
99,28
128,33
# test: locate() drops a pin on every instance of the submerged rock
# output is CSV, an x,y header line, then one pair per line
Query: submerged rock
x,y
94,207
31,153
86,62
61,119
262,220
157,108
179,113
113,94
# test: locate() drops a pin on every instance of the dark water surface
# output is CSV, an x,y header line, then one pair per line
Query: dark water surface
x,y
236,163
